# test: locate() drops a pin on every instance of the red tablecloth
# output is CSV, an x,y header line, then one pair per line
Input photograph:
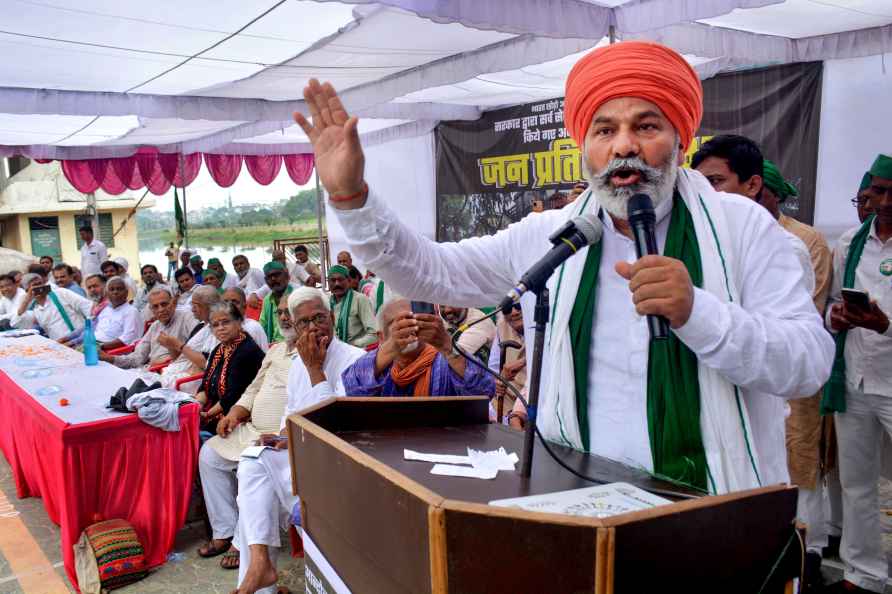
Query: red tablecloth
x,y
114,468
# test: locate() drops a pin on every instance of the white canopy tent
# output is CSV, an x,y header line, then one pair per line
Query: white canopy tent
x,y
103,78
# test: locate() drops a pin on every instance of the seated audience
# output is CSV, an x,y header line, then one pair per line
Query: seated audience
x,y
231,367
58,311
47,263
64,277
375,289
345,259
508,358
236,297
190,355
211,279
250,280
119,323
226,280
258,412
277,280
265,500
415,358
11,297
353,312
151,278
196,265
124,273
185,286
477,339
95,286
355,277
304,268
39,270
76,276
169,320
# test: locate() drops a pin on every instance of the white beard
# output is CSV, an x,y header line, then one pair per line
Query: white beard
x,y
289,334
658,183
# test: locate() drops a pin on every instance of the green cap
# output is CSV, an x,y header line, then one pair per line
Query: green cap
x,y
882,167
865,182
775,182
272,266
214,261
195,258
338,269
211,273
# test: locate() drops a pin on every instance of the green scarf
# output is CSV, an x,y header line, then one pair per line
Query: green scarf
x,y
342,323
379,296
62,311
269,318
673,388
834,397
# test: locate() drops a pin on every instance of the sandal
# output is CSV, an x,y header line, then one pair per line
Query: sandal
x,y
230,560
208,550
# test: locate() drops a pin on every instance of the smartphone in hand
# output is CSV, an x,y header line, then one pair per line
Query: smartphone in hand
x,y
856,299
422,307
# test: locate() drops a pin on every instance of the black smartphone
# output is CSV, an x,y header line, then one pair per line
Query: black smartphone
x,y
422,307
41,290
855,298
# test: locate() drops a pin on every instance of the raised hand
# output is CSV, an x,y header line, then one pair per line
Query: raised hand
x,y
339,158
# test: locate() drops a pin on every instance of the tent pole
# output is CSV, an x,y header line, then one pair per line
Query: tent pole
x,y
611,34
185,216
319,211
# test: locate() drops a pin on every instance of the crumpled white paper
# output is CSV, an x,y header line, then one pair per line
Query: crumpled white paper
x,y
480,464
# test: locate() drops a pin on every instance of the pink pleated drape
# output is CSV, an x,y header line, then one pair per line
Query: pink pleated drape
x,y
159,171
224,169
264,168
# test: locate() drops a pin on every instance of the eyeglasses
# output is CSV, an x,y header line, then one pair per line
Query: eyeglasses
x,y
221,323
318,320
858,201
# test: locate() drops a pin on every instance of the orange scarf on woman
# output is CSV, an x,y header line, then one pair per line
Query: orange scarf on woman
x,y
417,372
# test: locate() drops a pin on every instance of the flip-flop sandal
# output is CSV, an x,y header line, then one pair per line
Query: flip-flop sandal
x,y
226,562
209,550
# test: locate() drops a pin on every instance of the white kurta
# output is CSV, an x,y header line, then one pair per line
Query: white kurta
x,y
9,308
252,282
122,323
771,343
92,257
47,316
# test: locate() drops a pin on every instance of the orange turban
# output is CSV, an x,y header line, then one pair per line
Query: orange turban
x,y
640,69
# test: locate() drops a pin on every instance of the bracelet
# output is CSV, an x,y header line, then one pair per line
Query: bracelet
x,y
360,194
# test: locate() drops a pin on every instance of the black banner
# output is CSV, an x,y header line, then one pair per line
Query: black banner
x,y
495,170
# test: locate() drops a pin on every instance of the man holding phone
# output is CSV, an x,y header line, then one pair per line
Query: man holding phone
x,y
860,387
58,311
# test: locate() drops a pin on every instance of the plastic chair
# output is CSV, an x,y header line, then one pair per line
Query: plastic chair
x,y
188,379
122,350
372,347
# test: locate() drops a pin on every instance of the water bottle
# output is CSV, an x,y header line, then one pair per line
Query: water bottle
x,y
91,351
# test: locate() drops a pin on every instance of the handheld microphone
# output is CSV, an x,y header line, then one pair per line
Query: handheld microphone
x,y
568,239
643,220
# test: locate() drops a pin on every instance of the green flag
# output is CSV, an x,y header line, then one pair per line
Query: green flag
x,y
178,216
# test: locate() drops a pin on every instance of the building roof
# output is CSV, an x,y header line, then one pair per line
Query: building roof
x,y
41,187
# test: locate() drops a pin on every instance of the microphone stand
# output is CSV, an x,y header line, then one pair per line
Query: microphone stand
x,y
540,317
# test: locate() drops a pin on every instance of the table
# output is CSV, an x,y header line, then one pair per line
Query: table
x,y
86,462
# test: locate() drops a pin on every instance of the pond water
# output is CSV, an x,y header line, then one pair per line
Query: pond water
x,y
152,252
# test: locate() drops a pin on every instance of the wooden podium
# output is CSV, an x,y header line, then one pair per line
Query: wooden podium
x,y
386,525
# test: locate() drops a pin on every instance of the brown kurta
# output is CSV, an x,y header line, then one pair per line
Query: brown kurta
x,y
808,434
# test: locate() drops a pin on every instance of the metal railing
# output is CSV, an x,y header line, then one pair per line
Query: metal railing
x,y
317,248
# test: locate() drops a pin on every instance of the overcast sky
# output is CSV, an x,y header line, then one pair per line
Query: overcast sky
x,y
204,191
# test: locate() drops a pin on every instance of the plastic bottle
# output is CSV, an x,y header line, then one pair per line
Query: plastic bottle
x,y
91,352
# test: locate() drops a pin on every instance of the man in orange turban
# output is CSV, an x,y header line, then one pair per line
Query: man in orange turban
x,y
706,405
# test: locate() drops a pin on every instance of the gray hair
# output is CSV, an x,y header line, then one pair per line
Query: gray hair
x,y
303,295
238,291
160,289
29,278
116,280
207,294
379,317
227,308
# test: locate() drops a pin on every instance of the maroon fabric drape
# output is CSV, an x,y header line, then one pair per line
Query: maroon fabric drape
x,y
264,168
224,169
115,468
299,167
159,171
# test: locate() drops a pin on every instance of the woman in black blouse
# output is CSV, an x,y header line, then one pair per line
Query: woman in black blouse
x,y
231,366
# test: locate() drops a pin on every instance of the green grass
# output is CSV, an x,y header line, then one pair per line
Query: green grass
x,y
251,234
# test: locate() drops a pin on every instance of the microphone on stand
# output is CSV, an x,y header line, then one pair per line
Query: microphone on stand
x,y
568,239
643,221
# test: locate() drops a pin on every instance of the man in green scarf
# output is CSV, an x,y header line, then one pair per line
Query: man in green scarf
x,y
276,276
704,407
354,314
860,387
227,281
